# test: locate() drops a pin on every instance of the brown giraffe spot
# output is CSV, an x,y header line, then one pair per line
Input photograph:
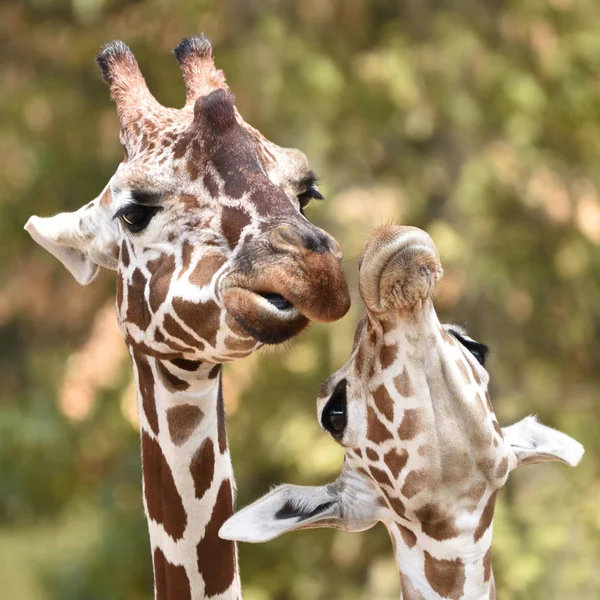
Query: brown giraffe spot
x,y
476,492
460,363
358,452
217,557
174,329
358,332
211,185
124,254
502,468
486,517
163,501
221,418
234,343
161,270
387,325
384,402
371,369
214,371
192,169
435,523
387,355
170,381
205,269
233,221
489,401
487,565
410,539
202,317
106,198
372,455
397,506
475,372
182,421
159,337
359,361
181,146
187,252
446,577
202,467
137,309
380,476
409,591
372,333
486,465
411,423
498,428
187,365
171,581
447,337
414,483
377,432
481,403
396,461
403,384
146,387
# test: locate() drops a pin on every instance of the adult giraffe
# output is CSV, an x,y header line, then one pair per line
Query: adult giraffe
x,y
203,220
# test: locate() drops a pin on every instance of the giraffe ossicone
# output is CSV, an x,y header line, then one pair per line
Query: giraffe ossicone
x,y
425,454
203,221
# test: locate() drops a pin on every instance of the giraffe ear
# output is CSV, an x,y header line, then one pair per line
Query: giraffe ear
x,y
76,240
531,442
286,508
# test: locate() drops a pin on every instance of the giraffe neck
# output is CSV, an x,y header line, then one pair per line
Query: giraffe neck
x,y
459,569
187,477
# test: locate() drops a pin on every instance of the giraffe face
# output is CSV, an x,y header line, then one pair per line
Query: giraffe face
x,y
204,222
410,406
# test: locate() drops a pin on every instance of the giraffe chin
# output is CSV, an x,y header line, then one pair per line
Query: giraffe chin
x,y
264,320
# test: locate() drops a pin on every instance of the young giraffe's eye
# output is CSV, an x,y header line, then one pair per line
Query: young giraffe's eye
x,y
477,349
135,217
334,417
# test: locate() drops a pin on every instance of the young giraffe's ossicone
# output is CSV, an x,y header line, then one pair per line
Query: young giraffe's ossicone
x,y
424,452
204,222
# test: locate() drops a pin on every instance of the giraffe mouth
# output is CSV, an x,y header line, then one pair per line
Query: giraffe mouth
x,y
268,317
278,301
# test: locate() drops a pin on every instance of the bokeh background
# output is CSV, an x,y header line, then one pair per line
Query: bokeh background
x,y
478,120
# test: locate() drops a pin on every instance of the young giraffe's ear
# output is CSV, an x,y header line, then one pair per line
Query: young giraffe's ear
x,y
81,240
286,508
531,442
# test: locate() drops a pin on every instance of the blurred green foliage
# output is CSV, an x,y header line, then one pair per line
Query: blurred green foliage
x,y
478,120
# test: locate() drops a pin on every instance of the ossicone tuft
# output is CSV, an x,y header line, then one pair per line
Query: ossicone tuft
x,y
112,53
198,45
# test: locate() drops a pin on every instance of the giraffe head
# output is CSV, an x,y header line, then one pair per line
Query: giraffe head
x,y
424,451
203,220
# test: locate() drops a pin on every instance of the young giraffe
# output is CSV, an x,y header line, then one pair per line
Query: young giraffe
x,y
424,452
203,220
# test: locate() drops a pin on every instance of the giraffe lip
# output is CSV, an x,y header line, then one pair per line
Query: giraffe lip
x,y
266,316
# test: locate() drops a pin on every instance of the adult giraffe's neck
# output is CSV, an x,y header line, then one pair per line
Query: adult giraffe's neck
x,y
459,568
188,478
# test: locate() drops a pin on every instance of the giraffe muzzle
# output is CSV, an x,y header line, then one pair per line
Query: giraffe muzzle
x,y
400,269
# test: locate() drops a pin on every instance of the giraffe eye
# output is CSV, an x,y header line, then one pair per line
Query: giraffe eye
x,y
334,417
136,216
305,197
